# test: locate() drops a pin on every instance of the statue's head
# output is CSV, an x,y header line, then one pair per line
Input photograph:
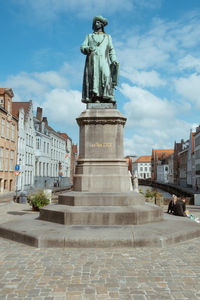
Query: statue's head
x,y
99,20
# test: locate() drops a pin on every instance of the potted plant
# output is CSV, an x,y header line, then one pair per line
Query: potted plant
x,y
38,200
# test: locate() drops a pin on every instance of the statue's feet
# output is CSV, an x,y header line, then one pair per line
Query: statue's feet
x,y
85,101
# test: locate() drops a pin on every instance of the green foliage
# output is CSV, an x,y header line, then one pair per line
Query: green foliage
x,y
141,191
38,200
152,194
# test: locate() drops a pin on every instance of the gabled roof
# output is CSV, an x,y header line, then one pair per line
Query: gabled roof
x,y
17,105
162,153
144,159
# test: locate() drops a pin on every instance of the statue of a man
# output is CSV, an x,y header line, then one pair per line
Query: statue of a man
x,y
101,66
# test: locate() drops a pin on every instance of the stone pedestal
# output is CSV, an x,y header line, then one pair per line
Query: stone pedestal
x,y
101,195
101,166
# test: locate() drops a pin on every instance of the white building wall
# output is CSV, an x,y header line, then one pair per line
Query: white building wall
x,y
26,150
58,153
197,157
143,169
163,173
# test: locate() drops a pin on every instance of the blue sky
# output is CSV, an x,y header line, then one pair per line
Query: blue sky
x,y
157,43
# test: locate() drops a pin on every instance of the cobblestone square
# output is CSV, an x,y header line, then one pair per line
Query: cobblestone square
x,y
110,273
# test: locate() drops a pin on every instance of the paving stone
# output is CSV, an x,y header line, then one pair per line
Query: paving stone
x,y
31,273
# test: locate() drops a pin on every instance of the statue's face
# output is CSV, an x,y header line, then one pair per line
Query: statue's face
x,y
98,25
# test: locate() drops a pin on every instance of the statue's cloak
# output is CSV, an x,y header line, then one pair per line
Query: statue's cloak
x,y
97,81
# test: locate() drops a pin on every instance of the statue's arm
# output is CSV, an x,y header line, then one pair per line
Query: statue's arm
x,y
112,54
85,49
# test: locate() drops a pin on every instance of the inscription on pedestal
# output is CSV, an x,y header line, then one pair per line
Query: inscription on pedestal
x,y
101,105
101,145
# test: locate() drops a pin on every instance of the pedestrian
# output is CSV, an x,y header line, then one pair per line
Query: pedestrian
x,y
180,207
171,204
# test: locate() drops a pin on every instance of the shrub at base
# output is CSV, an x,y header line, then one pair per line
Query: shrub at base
x,y
38,200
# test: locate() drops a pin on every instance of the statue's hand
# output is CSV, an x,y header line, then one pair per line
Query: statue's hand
x,y
115,63
90,50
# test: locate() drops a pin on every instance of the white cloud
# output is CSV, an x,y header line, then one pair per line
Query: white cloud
x,y
189,87
49,90
138,145
151,122
144,79
145,109
63,106
189,62
48,10
29,84
145,55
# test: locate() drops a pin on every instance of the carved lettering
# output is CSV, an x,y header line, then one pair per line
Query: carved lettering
x,y
101,145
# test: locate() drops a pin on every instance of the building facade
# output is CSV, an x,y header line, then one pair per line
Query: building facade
x,y
197,157
8,142
26,145
159,157
142,166
191,162
52,165
183,161
162,172
170,162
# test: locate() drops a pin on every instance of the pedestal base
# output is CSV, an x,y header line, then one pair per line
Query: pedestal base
x,y
101,209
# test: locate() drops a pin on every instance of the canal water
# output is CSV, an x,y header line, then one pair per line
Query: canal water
x,y
144,188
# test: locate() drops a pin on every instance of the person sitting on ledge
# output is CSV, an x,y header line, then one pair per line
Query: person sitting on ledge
x,y
171,204
180,207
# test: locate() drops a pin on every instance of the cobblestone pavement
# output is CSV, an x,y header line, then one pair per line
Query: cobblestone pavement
x,y
123,273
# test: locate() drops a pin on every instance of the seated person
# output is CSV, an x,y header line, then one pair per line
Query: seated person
x,y
180,207
171,204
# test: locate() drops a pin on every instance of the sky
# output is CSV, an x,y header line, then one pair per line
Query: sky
x,y
157,43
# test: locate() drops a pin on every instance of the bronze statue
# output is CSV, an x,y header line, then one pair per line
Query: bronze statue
x,y
101,66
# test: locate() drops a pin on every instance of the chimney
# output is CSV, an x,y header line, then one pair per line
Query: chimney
x,y
45,121
39,114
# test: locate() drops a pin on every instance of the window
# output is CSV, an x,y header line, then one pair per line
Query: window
x,y
44,149
1,158
47,148
37,143
13,132
11,160
141,168
2,126
145,169
2,101
8,106
8,129
6,160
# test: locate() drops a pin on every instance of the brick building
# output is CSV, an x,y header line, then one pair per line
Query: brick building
x,y
159,158
8,141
